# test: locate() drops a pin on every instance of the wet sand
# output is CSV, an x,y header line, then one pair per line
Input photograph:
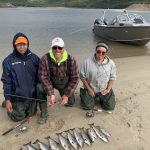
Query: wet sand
x,y
129,124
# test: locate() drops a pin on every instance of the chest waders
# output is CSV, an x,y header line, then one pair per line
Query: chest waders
x,y
62,83
59,84
107,101
22,110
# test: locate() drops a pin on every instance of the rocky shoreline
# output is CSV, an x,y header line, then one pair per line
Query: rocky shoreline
x,y
6,5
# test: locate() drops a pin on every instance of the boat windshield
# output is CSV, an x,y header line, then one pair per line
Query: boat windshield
x,y
126,19
136,18
123,18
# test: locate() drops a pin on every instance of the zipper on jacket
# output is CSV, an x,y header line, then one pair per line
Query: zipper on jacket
x,y
24,63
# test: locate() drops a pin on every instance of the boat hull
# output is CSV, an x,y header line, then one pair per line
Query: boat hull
x,y
138,35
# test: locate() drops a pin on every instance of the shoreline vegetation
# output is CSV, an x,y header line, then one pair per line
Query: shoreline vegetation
x,y
141,5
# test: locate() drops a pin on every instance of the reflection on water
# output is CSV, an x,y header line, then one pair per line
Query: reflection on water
x,y
73,25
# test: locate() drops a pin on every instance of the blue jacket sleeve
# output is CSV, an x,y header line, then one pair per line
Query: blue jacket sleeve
x,y
7,81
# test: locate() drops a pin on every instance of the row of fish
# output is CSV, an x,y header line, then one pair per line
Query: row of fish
x,y
73,138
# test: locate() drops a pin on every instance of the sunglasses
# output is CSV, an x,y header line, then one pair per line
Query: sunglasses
x,y
57,47
100,52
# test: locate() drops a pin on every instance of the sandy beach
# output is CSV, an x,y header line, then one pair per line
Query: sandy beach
x,y
139,7
129,124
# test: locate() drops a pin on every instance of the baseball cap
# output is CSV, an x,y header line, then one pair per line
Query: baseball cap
x,y
21,40
57,42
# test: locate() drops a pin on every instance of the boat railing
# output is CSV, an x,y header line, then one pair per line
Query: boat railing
x,y
103,16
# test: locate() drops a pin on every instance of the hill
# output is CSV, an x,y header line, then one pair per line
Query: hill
x,y
76,3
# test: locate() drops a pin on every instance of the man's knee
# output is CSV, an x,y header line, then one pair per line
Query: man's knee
x,y
71,100
109,103
41,94
32,109
39,88
87,101
16,117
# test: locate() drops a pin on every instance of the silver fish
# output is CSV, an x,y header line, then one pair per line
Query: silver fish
x,y
64,142
78,137
29,146
99,133
92,134
42,145
85,137
53,144
104,131
72,140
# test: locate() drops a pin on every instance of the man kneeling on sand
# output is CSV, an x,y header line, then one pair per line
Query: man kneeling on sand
x,y
57,70
98,74
20,79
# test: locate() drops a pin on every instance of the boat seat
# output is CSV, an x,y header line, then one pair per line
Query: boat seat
x,y
97,21
105,21
137,20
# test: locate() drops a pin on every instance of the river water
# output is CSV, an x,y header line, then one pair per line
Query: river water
x,y
74,25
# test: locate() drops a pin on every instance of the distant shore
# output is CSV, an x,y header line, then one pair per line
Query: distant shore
x,y
138,7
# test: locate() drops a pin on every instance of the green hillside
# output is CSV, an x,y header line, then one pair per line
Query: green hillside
x,y
76,3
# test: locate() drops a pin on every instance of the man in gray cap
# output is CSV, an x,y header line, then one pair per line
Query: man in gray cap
x,y
98,74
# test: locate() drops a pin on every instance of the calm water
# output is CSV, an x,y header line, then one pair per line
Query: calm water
x,y
73,25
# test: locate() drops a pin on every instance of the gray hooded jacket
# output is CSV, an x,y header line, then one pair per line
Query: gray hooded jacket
x,y
98,74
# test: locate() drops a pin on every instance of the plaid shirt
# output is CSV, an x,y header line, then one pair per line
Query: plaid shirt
x,y
59,72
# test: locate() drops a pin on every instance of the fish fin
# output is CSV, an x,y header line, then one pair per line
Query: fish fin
x,y
91,124
29,143
47,137
36,141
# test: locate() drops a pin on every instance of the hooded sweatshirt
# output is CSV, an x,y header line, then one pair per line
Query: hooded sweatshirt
x,y
98,74
20,73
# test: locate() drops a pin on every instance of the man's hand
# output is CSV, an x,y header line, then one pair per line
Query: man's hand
x,y
9,106
104,92
91,92
64,100
52,100
87,86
